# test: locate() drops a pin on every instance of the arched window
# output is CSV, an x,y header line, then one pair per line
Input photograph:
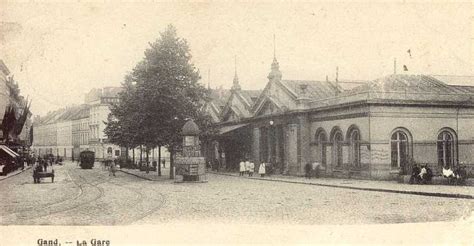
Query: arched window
x,y
322,139
337,142
109,150
446,148
355,147
400,149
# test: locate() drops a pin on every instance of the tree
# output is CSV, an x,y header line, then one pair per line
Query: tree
x,y
121,127
164,95
168,88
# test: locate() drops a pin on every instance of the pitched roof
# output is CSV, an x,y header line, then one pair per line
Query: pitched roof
x,y
111,91
64,114
49,118
219,96
82,113
455,79
410,83
70,113
314,89
250,96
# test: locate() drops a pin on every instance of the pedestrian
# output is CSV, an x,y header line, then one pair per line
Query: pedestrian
x,y
261,170
36,169
164,163
251,169
247,167
45,166
308,169
316,169
242,168
426,174
112,169
415,174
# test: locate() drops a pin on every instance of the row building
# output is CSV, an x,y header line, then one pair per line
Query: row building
x,y
375,129
68,131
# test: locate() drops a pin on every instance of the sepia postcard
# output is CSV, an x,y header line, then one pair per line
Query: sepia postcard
x,y
236,122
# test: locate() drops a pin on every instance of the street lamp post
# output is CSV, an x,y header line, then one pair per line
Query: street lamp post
x,y
272,144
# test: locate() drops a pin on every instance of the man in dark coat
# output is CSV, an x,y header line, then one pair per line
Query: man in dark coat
x,y
415,175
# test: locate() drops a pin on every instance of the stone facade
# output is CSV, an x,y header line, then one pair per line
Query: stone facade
x,y
67,132
378,129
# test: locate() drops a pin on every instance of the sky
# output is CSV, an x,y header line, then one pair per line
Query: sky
x,y
59,51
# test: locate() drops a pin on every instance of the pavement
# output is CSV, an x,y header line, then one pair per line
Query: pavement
x,y
16,172
92,197
449,191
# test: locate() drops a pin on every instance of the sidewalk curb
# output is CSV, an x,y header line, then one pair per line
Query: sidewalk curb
x,y
13,175
138,176
419,193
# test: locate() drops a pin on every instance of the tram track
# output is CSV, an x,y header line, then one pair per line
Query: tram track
x,y
60,207
90,190
140,216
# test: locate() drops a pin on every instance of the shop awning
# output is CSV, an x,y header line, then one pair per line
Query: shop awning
x,y
9,151
226,129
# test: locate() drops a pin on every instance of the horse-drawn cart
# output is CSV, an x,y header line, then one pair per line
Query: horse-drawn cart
x,y
38,175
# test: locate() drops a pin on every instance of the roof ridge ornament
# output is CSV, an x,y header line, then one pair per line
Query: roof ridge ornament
x,y
235,85
275,73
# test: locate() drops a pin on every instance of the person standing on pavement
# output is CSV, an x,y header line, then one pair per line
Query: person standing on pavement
x,y
247,167
251,168
36,169
261,169
242,168
112,169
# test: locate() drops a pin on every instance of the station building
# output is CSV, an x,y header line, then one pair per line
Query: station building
x,y
376,129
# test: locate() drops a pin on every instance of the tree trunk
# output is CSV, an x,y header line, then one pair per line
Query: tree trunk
x,y
159,160
133,157
141,155
152,154
171,163
126,154
147,159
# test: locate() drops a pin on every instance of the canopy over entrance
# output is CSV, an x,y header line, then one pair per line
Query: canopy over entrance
x,y
9,151
227,129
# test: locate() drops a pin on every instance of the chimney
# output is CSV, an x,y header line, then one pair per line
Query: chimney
x,y
303,97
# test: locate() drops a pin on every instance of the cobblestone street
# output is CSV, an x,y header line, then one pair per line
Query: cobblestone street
x,y
91,197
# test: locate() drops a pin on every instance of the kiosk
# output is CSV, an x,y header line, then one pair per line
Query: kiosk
x,y
190,164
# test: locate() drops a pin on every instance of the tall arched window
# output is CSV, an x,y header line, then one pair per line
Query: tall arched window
x,y
337,149
400,149
355,147
321,139
446,148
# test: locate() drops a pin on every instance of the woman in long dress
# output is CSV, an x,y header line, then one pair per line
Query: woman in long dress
x,y
242,168
261,169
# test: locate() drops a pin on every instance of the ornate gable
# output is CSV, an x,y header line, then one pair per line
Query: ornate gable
x,y
269,107
274,98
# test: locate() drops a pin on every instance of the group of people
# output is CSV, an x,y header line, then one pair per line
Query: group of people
x,y
456,176
248,168
421,175
41,164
